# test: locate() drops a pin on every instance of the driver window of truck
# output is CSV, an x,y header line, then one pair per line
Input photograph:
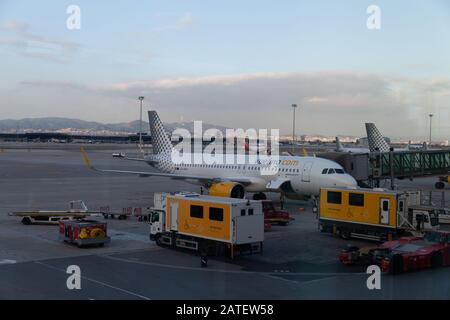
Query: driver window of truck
x,y
401,205
155,217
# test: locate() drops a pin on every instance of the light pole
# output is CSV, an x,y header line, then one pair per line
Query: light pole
x,y
431,117
141,98
294,106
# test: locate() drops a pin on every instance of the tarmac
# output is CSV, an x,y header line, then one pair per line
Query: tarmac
x,y
298,262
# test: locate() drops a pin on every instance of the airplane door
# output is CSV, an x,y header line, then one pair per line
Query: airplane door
x,y
385,207
174,216
306,173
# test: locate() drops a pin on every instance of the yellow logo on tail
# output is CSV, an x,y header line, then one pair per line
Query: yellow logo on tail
x,y
86,159
305,153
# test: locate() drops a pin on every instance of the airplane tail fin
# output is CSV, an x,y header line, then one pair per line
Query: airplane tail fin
x,y
376,139
339,146
305,153
160,140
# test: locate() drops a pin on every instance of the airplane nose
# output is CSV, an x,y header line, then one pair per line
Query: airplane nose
x,y
350,181
345,181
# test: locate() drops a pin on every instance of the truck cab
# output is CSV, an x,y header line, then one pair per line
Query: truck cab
x,y
157,222
424,218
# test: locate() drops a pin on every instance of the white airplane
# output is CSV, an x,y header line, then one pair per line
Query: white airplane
x,y
297,177
377,143
341,148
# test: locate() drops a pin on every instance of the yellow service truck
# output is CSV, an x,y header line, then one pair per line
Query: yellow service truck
x,y
210,225
374,214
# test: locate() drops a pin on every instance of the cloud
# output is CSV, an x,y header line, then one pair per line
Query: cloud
x,y
17,35
186,82
18,26
185,21
317,99
330,102
56,85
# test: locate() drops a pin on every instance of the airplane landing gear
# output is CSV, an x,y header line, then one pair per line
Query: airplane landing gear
x,y
282,201
439,185
315,203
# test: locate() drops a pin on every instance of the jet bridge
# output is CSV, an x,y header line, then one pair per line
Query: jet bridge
x,y
409,164
376,166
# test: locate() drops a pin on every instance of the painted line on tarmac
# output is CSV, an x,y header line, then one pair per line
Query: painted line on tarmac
x,y
6,261
97,282
284,274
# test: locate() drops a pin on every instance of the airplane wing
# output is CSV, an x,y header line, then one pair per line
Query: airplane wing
x,y
244,181
135,159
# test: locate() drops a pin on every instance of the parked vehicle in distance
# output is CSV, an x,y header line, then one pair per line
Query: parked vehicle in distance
x,y
403,255
76,210
273,215
118,155
444,215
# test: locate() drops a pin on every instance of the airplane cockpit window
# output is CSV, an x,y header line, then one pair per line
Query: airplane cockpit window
x,y
331,171
339,171
324,171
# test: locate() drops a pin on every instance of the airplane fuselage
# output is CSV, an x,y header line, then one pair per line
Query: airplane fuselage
x,y
306,175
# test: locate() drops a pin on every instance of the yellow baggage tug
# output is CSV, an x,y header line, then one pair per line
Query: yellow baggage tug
x,y
374,214
207,224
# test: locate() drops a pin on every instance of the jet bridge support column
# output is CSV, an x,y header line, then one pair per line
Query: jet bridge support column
x,y
391,165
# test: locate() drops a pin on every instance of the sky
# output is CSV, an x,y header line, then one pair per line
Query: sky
x,y
231,63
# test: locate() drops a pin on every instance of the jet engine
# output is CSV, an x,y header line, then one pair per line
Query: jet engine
x,y
227,190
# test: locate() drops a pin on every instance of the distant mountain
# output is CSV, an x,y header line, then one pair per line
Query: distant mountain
x,y
74,125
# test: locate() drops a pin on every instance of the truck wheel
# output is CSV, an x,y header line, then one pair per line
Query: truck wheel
x,y
397,264
203,247
259,196
158,240
436,260
26,221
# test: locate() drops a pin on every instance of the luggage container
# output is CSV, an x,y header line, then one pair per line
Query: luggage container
x,y
84,233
